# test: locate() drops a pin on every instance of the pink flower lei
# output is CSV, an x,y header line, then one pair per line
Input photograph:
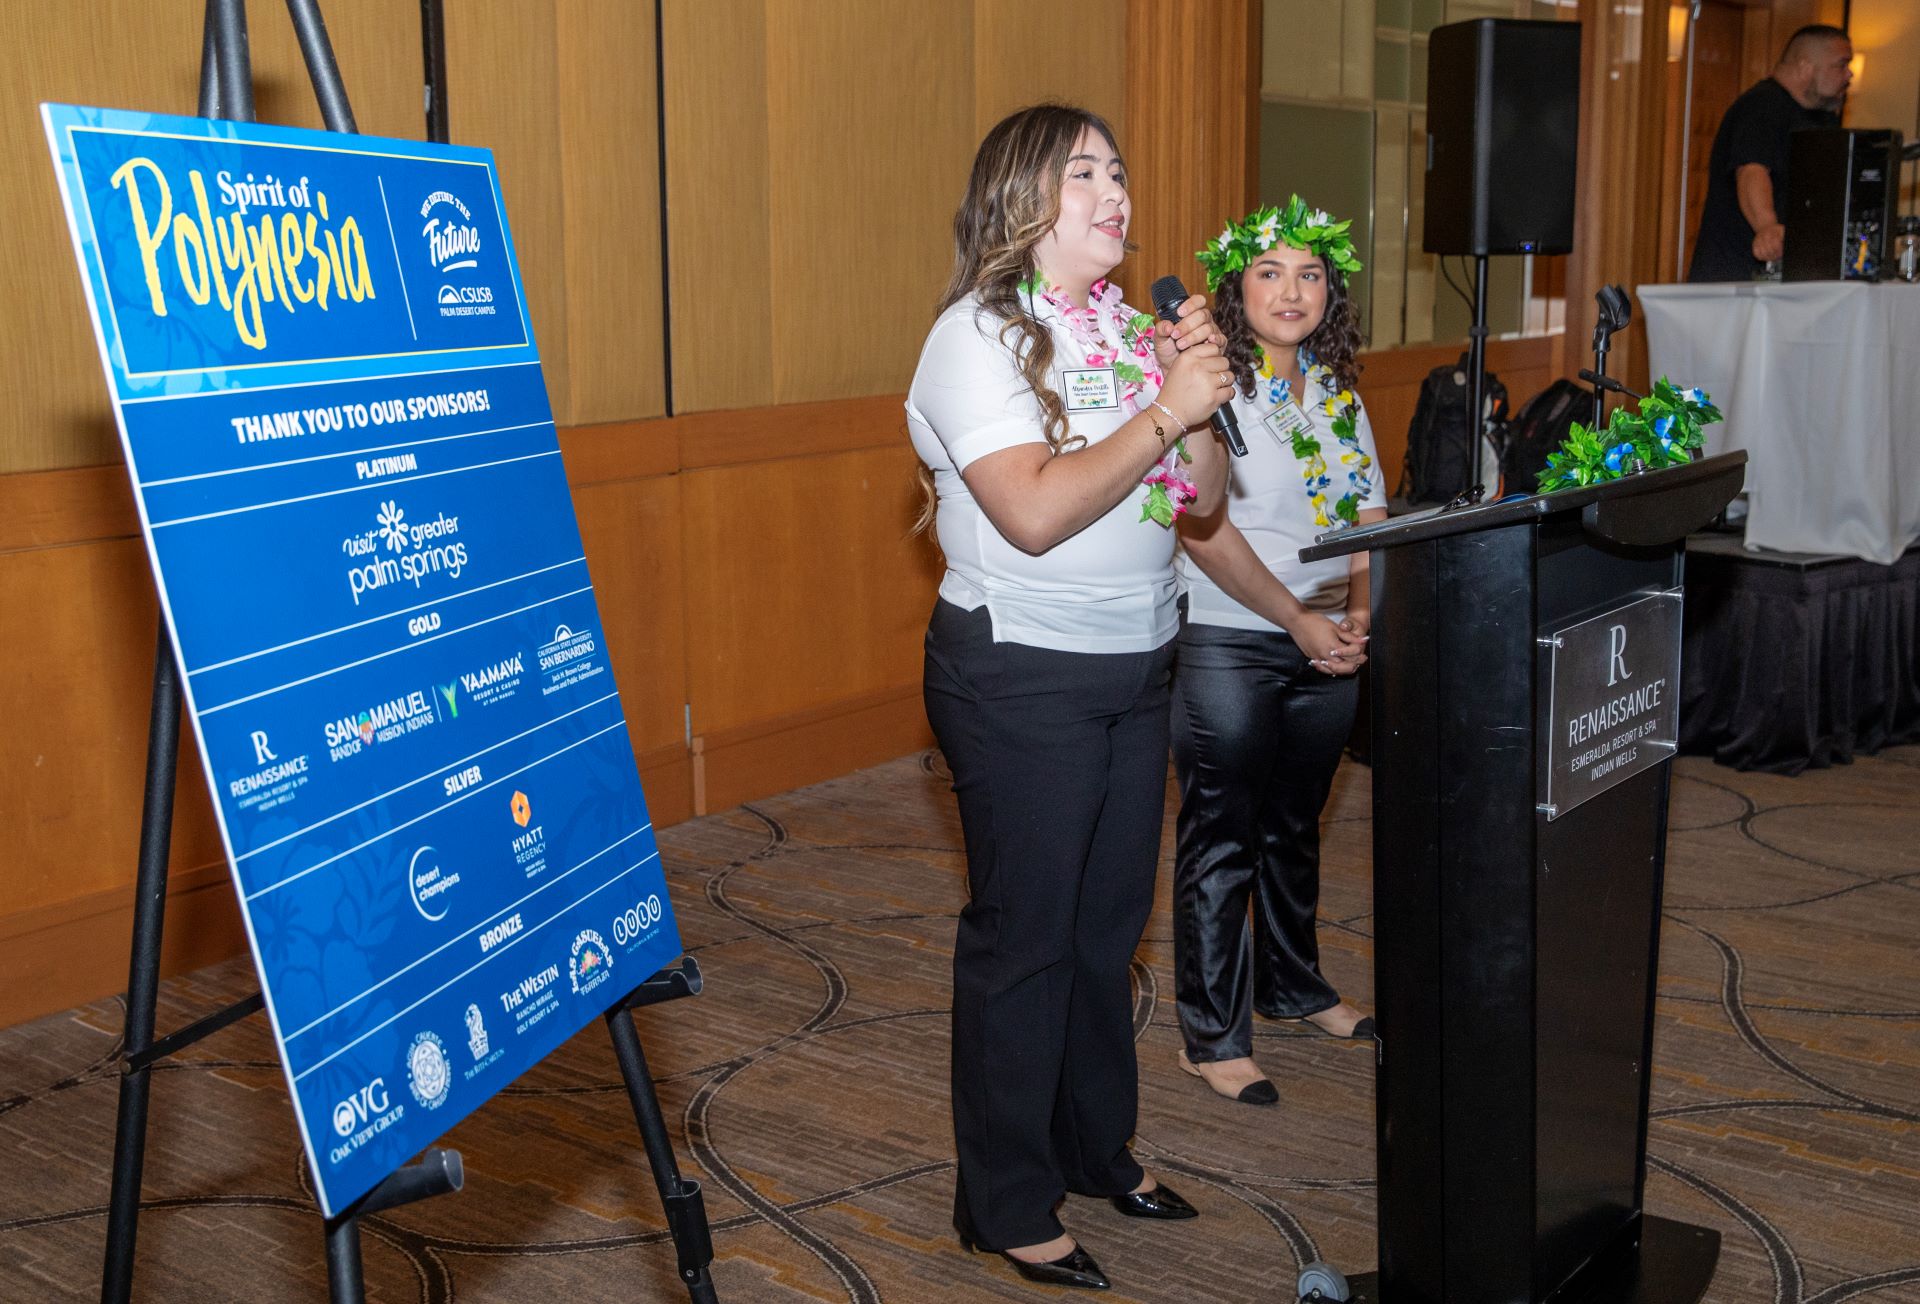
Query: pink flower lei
x,y
1113,335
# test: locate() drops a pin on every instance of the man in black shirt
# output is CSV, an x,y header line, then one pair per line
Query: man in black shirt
x,y
1740,226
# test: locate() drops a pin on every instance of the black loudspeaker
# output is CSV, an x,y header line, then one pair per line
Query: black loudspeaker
x,y
1503,125
1843,188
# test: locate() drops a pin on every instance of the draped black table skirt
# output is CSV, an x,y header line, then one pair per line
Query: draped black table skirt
x,y
1793,661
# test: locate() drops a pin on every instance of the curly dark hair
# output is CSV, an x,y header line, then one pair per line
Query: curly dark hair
x,y
1335,342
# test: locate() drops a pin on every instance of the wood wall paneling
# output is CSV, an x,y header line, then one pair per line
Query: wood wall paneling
x,y
1617,219
78,681
610,193
1073,51
719,228
503,92
861,187
1193,70
632,533
803,584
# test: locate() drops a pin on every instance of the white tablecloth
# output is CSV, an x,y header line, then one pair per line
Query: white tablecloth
x,y
1820,383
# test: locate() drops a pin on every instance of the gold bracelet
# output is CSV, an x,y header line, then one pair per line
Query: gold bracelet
x,y
1158,433
1184,432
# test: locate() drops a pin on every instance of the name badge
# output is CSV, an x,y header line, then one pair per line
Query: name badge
x,y
1090,389
1286,421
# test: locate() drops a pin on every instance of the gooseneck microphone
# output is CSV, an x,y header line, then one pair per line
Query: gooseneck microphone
x,y
1168,294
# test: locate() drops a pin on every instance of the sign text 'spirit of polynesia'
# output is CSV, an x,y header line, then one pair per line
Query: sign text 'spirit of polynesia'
x,y
351,489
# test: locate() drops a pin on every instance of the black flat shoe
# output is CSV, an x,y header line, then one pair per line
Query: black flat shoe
x,y
1076,1268
1363,1030
1161,1202
1258,1092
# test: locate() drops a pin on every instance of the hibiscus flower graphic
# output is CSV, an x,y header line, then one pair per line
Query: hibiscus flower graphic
x,y
393,526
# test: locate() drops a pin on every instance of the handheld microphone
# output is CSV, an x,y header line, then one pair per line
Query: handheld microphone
x,y
1168,294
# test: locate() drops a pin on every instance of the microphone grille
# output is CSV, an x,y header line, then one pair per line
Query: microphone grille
x,y
1168,294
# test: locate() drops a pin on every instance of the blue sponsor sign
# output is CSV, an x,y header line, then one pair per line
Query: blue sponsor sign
x,y
351,489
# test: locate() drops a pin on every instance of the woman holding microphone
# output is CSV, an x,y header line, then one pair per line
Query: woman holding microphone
x,y
1061,434
1264,696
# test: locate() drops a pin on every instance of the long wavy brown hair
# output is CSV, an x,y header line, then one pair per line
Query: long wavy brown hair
x,y
1334,343
1012,202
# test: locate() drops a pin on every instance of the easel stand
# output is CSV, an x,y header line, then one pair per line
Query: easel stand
x,y
226,91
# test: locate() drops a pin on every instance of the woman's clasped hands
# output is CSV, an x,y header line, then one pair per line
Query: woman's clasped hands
x,y
1333,649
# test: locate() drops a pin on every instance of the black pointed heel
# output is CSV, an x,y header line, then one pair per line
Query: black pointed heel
x,y
1075,1269
1161,1202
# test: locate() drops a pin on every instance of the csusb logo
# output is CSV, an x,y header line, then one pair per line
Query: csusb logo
x,y
452,243
428,1072
637,920
590,962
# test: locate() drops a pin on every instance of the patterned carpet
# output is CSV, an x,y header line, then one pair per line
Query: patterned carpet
x,y
806,1087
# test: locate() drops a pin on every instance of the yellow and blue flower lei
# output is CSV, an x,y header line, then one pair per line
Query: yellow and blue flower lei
x,y
1344,408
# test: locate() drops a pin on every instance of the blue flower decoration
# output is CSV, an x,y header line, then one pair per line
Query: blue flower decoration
x,y
1694,395
1616,455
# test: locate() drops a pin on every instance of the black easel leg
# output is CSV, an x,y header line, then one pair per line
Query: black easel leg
x,y
686,1211
322,69
143,974
433,53
344,1282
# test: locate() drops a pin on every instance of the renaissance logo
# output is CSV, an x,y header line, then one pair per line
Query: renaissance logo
x,y
272,784
352,733
399,551
453,241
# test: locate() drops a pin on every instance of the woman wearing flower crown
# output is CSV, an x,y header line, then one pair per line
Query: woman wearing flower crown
x,y
1062,433
1264,692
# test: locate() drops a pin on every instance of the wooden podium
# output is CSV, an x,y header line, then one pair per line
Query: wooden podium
x,y
1525,682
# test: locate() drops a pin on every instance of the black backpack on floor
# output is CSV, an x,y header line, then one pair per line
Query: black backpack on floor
x,y
1539,429
1439,461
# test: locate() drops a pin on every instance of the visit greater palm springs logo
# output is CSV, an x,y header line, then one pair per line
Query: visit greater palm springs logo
x,y
420,549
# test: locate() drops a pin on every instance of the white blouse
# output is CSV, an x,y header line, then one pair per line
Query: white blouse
x,y
1109,588
1268,501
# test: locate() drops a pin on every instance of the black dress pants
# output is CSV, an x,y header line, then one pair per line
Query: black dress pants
x,y
1257,735
1059,763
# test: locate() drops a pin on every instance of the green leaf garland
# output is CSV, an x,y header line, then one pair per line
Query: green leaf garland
x,y
1664,432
